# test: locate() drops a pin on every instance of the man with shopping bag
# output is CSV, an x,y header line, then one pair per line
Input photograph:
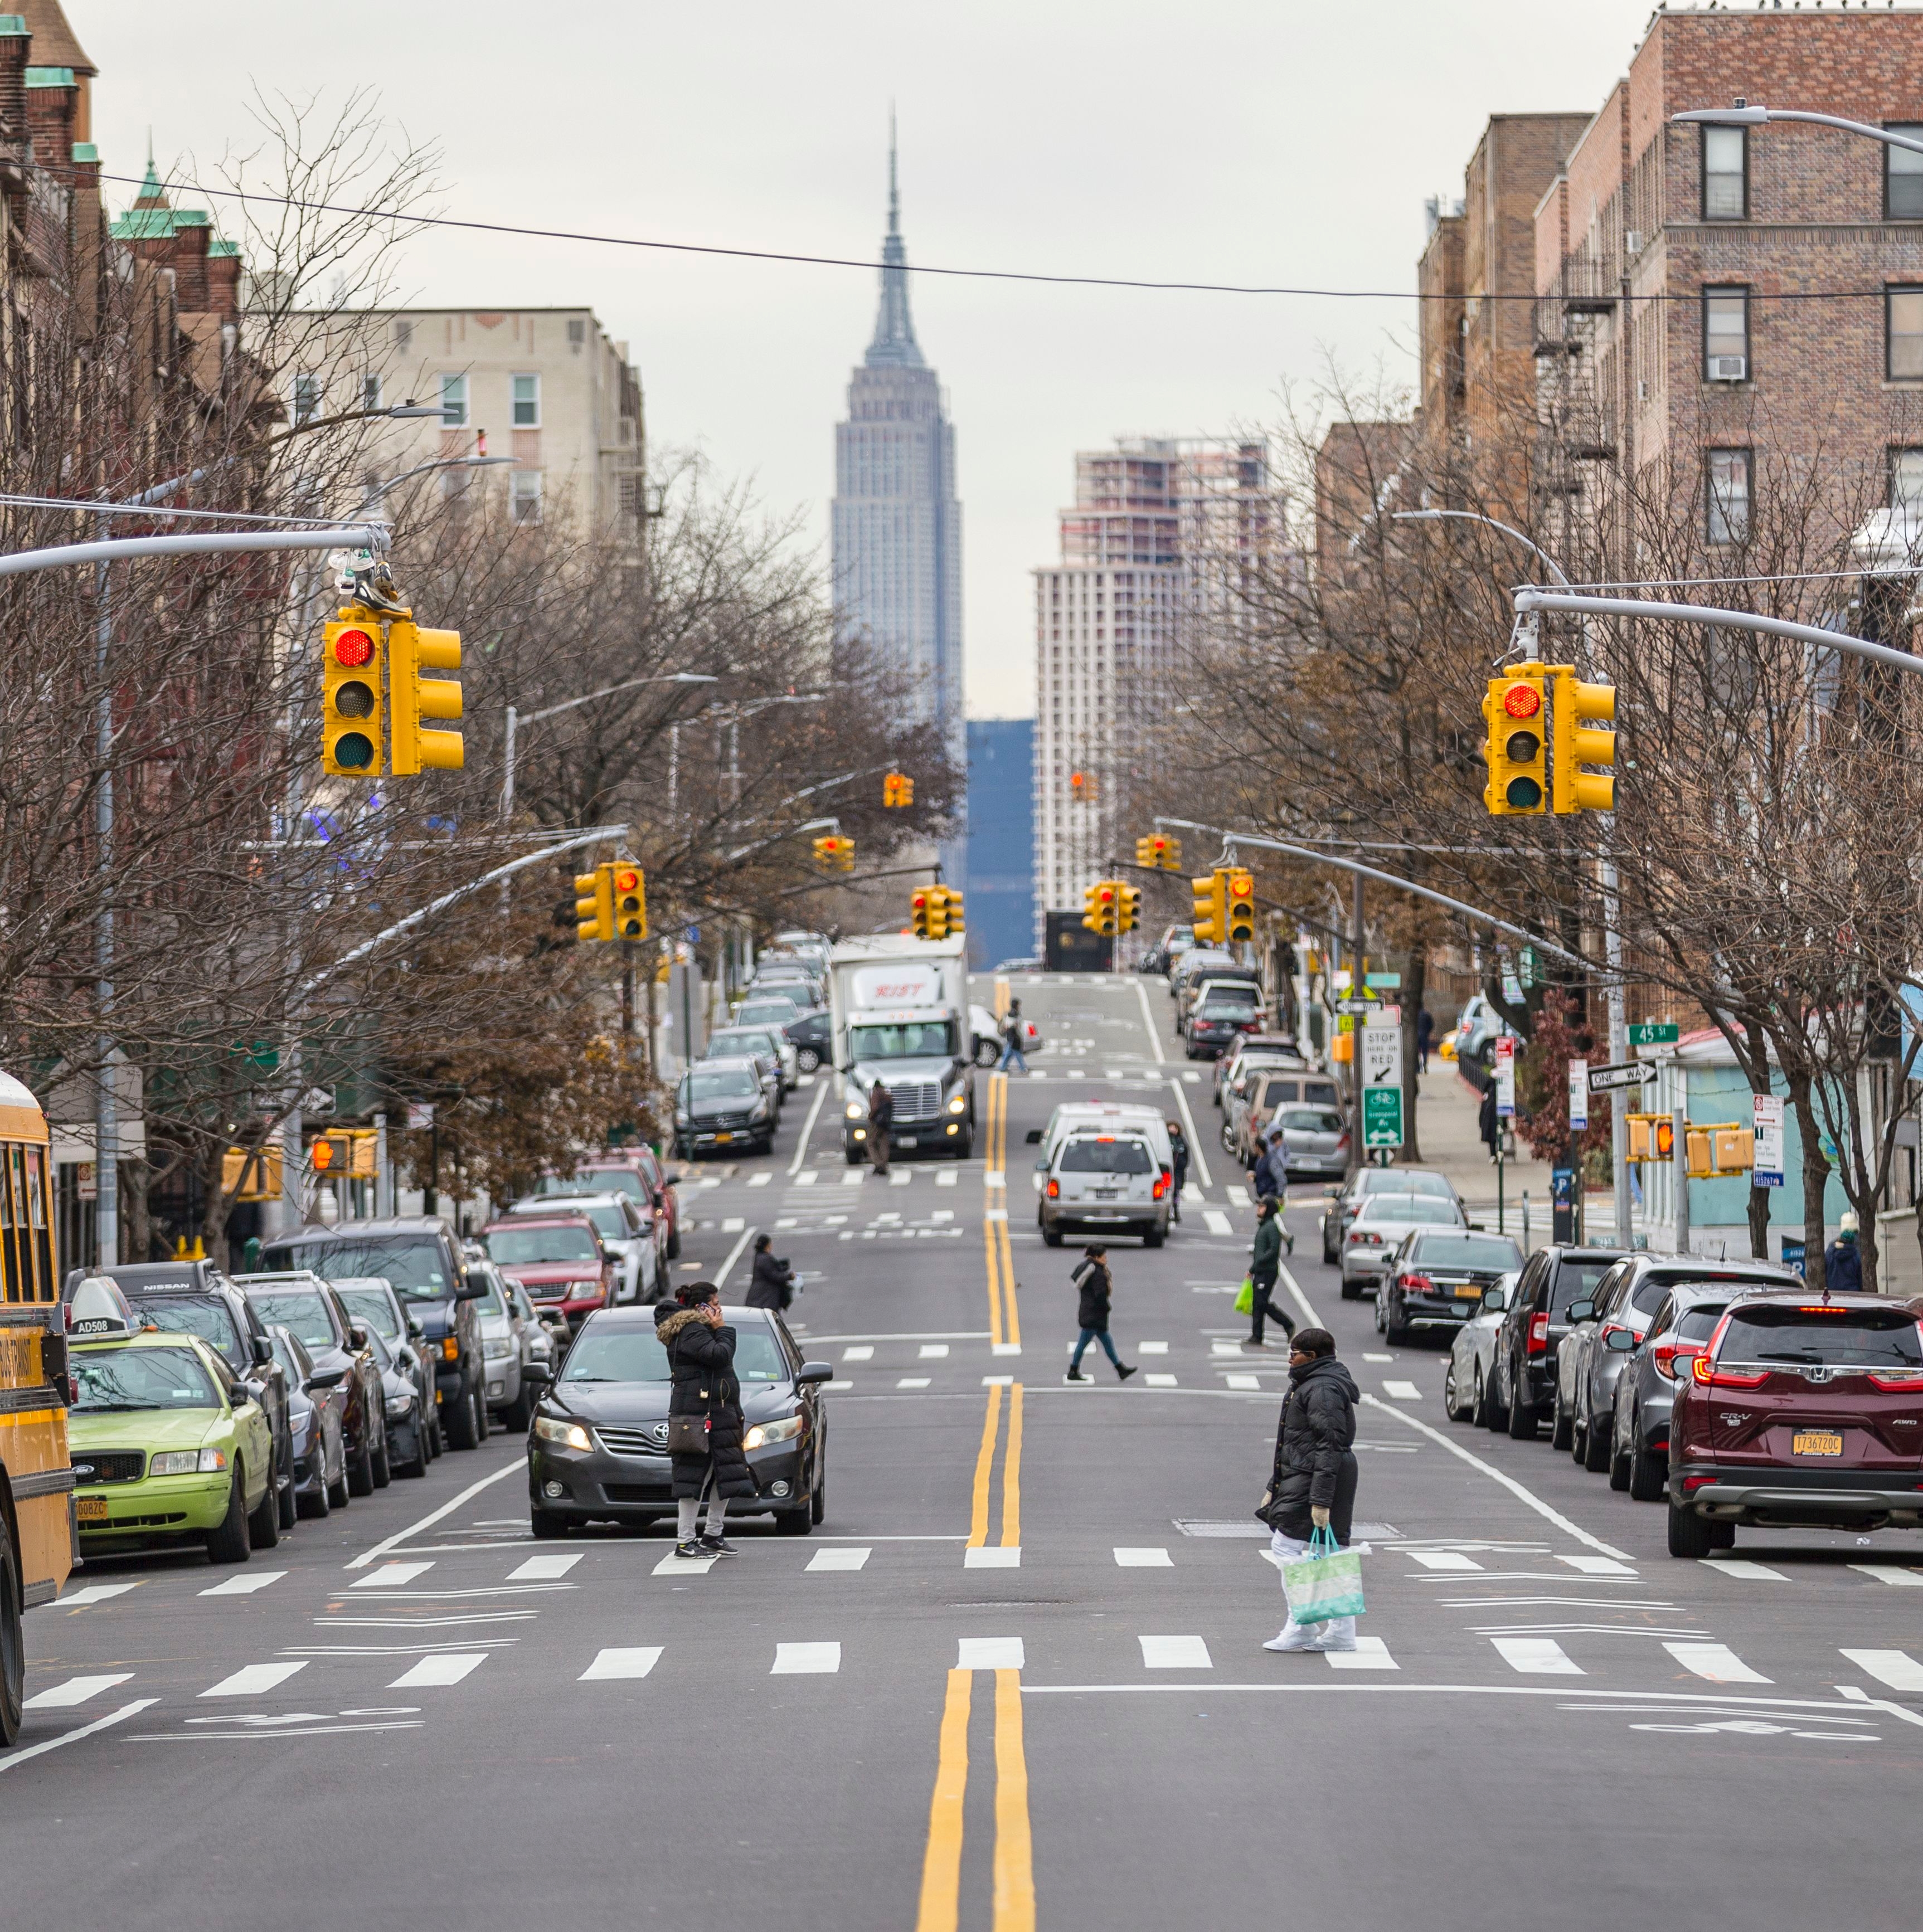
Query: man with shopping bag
x,y
1310,1504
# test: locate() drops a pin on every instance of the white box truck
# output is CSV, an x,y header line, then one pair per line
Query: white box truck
x,y
899,1009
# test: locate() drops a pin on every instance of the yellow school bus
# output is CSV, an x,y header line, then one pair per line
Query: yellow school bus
x,y
36,1533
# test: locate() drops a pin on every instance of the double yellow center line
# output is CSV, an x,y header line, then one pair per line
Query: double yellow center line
x,y
1005,1321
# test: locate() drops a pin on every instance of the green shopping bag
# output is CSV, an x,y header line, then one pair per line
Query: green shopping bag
x,y
1325,1583
1244,1300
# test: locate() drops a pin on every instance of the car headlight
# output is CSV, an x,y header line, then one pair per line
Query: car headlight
x,y
855,1111
399,1405
784,1430
497,1348
186,1462
570,1435
958,1105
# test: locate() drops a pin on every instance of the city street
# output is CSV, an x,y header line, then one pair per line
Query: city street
x,y
1015,1678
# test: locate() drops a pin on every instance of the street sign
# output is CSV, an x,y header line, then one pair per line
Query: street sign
x,y
1391,981
1505,1078
1512,990
1579,1096
1353,1007
1655,1033
1767,1115
1631,1073
1525,965
1381,1065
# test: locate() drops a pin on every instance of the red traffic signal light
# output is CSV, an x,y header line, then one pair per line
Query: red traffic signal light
x,y
1523,700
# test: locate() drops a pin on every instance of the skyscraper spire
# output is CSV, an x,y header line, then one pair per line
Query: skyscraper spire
x,y
894,342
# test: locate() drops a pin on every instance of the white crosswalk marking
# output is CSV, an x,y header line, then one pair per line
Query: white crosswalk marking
x,y
1734,1566
1216,1222
947,1178
990,1653
538,1568
987,1556
1238,1197
1444,1559
1155,1558
1218,1347
853,1177
1597,1566
913,1381
1539,1656
1190,1192
805,1660
930,1351
1716,1661
1371,1653
853,1558
807,1177
732,1224
1896,1668
390,1575
837,1385
1191,1077
1161,1381
862,1351
1175,1653
1004,1348
689,1566
433,1672
994,1177
1368,1357
759,1179
252,1679
900,1177
637,1662
246,1585
1889,1573
1152,1348
95,1593
1243,1381
1402,1391
75,1690
998,1381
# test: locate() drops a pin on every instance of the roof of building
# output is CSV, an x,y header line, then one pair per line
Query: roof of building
x,y
893,343
54,42
151,219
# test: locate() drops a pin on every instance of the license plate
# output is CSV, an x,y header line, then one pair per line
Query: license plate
x,y
1816,1442
1467,1291
91,1509
719,1137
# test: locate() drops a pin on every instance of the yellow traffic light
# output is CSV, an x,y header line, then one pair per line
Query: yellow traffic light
x,y
1168,853
920,911
1107,905
1575,707
938,912
350,739
1089,908
1128,907
953,900
630,900
834,854
594,903
1241,905
897,790
1145,851
1211,914
825,852
1515,749
410,649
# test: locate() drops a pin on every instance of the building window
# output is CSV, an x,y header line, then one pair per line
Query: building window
x,y
1726,495
524,496
1907,480
308,393
577,332
454,402
1902,329
1903,176
527,393
1726,174
370,392
1725,335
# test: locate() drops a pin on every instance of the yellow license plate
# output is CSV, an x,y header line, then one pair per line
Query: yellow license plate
x,y
1816,1442
91,1509
724,1137
1468,1292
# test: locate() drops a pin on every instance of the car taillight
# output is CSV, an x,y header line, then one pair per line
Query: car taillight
x,y
1054,1189
1343,1141
1692,1483
1161,1185
1897,1382
1706,1375
1415,1284
1666,1353
1538,1340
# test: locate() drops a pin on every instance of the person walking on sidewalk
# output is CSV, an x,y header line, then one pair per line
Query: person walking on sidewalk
x,y
1097,1288
1014,1031
701,1364
1425,1037
1265,1264
881,1125
1313,1486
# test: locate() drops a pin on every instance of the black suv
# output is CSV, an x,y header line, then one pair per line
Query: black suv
x,y
195,1298
420,1255
1523,1373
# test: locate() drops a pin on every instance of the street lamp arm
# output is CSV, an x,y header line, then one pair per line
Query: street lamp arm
x,y
1743,115
1477,517
1529,598
626,684
108,549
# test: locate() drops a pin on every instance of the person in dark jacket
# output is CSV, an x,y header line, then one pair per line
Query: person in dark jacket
x,y
1313,1486
1488,1122
1014,1034
1097,1288
1425,1037
772,1284
1265,1264
1842,1260
701,1362
881,1125
1178,1148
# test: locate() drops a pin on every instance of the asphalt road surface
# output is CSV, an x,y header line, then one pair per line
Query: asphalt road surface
x,y
1015,1679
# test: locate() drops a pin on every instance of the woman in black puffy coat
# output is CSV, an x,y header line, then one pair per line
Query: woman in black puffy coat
x,y
701,1361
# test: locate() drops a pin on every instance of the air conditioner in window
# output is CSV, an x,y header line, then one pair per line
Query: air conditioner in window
x,y
1728,368
1632,241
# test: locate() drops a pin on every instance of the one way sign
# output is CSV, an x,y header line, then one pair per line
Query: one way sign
x,y
1633,1073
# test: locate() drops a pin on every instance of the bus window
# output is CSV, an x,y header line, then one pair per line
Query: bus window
x,y
20,1282
45,1288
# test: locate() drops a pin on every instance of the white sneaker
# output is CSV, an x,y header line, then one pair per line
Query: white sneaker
x,y
1293,1637
1338,1643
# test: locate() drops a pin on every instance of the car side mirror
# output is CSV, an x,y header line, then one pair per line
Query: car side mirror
x,y
1581,1311
1494,1301
357,1336
815,1371
1620,1340
1331,1193
471,1291
1033,1137
263,1350
536,1374
416,1333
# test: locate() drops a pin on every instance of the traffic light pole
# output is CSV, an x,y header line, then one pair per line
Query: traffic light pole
x,y
1358,1155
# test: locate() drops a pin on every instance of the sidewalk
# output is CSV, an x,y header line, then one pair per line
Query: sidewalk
x,y
1446,1117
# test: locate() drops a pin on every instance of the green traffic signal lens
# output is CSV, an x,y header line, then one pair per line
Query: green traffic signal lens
x,y
1524,794
1522,748
354,750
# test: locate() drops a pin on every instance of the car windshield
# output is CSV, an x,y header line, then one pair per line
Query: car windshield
x,y
1575,1281
1310,1120
1845,1336
1392,1180
1481,1251
908,1040
1105,1155
127,1378
297,1367
636,1355
376,1347
727,1083
372,1308
522,1247
416,1268
489,1301
300,1309
596,1180
1395,1207
766,1012
191,1314
732,1040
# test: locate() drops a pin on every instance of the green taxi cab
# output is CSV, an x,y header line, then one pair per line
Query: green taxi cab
x,y
168,1448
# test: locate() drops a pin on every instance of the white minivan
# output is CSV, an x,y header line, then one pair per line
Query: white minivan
x,y
1106,1179
1107,1117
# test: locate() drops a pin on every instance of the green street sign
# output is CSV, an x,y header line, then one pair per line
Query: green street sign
x,y
1525,966
1382,1117
1655,1033
1391,981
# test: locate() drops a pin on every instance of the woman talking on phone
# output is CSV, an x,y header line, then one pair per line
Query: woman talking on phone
x,y
704,1424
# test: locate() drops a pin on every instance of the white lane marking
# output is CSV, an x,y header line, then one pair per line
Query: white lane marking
x,y
1716,1661
1193,1078
1402,1391
1004,1348
75,1690
14,1757
1597,1566
991,1556
914,1381
95,1593
1216,1222
1371,1653
998,1381
245,1586
1369,1357
807,1128
1889,1573
837,1385
990,1653
537,1567
1302,1300
1038,1073
253,1679
733,1253
1152,1348
854,1177
761,1179
1195,1153
900,1177
995,1214
1509,1482
805,1660
1175,1653
1219,1347
435,1671
732,1224
1149,1021
390,1576
853,1557
787,1221
1444,1559
1155,1558
1540,1655
1751,1572
807,1177
862,1351
1238,1197
942,1214
636,1662
1896,1668
932,1351
433,1516
947,1176
671,1565
1242,1381
1161,1381
994,1177
1190,1192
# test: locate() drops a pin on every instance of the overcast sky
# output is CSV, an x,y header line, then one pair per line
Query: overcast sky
x,y
1225,141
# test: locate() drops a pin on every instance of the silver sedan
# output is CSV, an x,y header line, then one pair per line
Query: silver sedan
x,y
1471,1355
1376,1233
